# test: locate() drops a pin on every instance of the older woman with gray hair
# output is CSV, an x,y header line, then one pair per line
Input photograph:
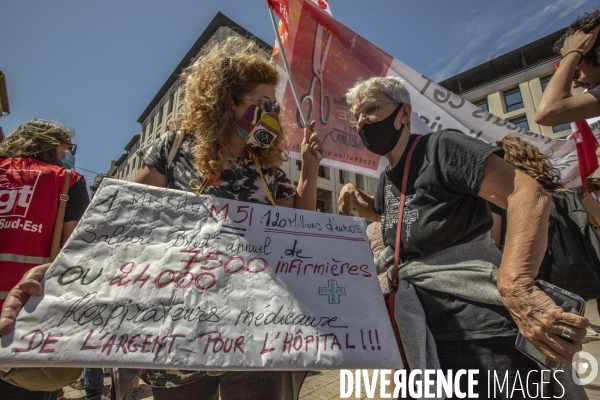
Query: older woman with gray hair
x,y
473,299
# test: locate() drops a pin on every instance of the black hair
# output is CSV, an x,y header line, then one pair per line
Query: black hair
x,y
586,23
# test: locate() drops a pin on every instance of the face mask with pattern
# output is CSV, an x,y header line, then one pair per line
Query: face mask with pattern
x,y
258,128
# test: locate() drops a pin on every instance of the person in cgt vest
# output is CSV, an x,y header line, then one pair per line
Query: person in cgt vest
x,y
34,160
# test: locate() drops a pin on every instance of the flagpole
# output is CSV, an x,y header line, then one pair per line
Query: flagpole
x,y
289,72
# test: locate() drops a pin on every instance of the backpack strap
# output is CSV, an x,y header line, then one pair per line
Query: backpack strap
x,y
397,251
177,141
60,216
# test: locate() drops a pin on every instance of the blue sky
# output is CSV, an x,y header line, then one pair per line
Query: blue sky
x,y
95,65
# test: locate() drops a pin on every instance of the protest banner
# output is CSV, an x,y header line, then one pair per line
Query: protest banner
x,y
159,278
327,58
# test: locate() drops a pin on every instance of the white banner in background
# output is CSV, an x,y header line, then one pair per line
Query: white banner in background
x,y
158,278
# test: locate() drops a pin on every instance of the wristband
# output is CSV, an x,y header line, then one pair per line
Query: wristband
x,y
574,51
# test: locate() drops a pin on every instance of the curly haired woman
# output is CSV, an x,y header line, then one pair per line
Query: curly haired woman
x,y
232,140
232,147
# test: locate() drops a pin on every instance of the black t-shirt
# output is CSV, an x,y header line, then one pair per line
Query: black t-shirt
x,y
78,201
442,210
502,214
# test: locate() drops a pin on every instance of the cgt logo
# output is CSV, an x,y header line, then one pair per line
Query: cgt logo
x,y
585,368
15,197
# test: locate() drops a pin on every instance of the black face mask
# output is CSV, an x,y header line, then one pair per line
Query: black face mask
x,y
381,137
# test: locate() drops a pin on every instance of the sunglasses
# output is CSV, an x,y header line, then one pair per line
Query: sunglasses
x,y
270,106
72,147
369,110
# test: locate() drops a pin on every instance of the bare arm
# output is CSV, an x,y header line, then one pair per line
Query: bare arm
x,y
306,197
287,202
539,319
147,175
68,228
557,105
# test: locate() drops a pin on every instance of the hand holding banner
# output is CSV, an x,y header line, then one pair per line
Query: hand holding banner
x,y
158,278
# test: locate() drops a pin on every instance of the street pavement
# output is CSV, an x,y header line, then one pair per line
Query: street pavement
x,y
325,385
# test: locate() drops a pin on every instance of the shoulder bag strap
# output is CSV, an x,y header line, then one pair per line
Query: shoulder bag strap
x,y
177,141
401,212
60,216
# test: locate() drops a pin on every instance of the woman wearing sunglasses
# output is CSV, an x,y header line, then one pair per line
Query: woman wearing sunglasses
x,y
33,163
233,142
232,147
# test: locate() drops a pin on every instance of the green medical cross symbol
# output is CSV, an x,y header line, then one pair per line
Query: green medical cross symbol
x,y
332,291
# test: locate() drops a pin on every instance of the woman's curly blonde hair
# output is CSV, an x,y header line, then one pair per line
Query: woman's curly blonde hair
x,y
36,138
220,78
527,158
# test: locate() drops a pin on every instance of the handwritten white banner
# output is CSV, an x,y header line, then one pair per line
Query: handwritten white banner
x,y
162,278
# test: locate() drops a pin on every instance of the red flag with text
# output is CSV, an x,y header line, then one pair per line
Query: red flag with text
x,y
586,145
326,58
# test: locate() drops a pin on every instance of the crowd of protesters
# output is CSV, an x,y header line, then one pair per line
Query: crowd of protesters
x,y
444,176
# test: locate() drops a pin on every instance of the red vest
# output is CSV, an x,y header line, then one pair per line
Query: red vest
x,y
29,194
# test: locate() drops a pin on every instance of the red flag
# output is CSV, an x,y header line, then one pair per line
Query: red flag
x,y
323,59
586,145
326,58
280,8
586,151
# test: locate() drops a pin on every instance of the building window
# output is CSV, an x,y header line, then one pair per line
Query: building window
x,y
320,206
323,172
160,114
360,182
344,177
521,122
171,101
298,165
151,128
513,99
483,104
544,81
560,128
144,133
